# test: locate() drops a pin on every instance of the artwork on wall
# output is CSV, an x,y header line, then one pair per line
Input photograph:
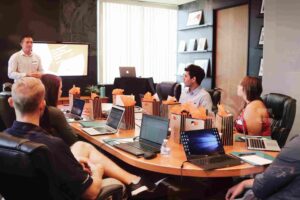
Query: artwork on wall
x,y
261,37
262,8
194,18
261,70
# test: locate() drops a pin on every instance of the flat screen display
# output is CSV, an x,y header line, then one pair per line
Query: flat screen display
x,y
63,59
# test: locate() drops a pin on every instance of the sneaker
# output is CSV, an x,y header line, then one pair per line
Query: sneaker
x,y
141,186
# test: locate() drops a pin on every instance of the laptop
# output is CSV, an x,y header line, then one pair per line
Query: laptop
x,y
204,148
77,109
112,123
127,72
154,130
260,143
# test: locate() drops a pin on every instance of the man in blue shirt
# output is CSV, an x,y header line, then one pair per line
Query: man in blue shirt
x,y
194,93
281,180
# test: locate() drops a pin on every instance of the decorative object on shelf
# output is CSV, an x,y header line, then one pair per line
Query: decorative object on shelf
x,y
93,90
204,64
192,44
261,69
195,18
202,44
261,37
262,8
182,46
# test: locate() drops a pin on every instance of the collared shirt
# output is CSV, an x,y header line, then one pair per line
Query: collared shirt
x,y
20,64
198,97
71,178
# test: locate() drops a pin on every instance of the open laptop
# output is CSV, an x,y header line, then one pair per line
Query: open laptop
x,y
204,148
77,109
154,130
260,143
112,123
127,72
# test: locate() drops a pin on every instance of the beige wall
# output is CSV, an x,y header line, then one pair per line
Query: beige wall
x,y
282,51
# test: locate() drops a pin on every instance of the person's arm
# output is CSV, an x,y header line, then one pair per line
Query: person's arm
x,y
94,189
281,172
236,190
40,67
12,69
206,102
62,127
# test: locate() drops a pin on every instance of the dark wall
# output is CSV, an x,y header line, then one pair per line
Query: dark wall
x,y
208,7
49,20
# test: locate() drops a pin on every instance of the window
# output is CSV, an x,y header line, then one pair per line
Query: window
x,y
141,36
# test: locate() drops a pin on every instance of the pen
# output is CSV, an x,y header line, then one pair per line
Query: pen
x,y
247,154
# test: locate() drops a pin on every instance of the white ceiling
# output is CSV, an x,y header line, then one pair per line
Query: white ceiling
x,y
170,2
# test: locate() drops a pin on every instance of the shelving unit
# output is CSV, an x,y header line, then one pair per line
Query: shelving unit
x,y
204,51
194,27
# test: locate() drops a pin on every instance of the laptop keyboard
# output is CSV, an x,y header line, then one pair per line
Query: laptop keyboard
x,y
256,143
143,146
212,160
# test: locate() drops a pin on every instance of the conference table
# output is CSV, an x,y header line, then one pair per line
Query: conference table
x,y
169,164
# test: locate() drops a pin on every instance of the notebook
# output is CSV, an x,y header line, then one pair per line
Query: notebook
x,y
112,123
76,110
260,143
204,148
127,71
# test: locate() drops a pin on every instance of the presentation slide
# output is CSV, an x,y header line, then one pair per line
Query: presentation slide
x,y
63,59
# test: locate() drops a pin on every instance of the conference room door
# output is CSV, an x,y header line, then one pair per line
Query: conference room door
x,y
231,53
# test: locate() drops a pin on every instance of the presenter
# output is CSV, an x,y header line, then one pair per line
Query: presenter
x,y
25,62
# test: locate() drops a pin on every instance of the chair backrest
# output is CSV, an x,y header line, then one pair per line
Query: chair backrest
x,y
7,113
282,110
164,89
25,170
215,95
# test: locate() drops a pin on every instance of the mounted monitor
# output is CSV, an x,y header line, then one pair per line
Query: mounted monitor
x,y
63,59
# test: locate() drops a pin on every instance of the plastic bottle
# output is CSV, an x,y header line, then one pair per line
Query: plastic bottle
x,y
164,150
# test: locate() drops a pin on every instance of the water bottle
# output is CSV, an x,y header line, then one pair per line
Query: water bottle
x,y
164,150
102,91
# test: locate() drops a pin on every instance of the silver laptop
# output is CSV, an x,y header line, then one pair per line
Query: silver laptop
x,y
260,143
112,123
76,111
127,72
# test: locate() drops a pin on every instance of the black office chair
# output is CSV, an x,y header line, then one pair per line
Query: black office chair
x,y
164,89
7,113
282,110
215,95
26,172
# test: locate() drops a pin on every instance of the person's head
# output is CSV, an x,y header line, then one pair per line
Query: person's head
x,y
53,86
27,96
250,88
26,43
193,75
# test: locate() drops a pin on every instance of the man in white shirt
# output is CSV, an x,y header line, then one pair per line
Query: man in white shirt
x,y
25,62
193,92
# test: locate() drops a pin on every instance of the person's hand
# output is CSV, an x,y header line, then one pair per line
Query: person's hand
x,y
35,75
236,190
84,162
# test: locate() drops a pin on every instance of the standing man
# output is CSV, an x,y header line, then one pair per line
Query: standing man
x,y
25,62
194,93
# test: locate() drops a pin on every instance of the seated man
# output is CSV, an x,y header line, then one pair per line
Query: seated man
x,y
281,179
194,93
77,178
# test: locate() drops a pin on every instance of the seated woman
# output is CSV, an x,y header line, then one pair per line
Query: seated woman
x,y
254,118
55,123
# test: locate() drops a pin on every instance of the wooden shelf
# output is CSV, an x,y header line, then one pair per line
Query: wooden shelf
x,y
194,27
204,51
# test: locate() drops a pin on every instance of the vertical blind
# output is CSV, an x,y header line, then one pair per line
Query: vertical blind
x,y
140,36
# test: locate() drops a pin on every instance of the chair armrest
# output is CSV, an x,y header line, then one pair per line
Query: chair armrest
x,y
114,192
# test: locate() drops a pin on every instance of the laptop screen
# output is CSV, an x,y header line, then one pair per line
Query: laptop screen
x,y
154,129
77,108
202,142
114,117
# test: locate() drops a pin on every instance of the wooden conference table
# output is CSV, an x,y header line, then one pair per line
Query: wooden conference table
x,y
170,164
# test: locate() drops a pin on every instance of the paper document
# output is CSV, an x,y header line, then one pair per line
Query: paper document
x,y
256,160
